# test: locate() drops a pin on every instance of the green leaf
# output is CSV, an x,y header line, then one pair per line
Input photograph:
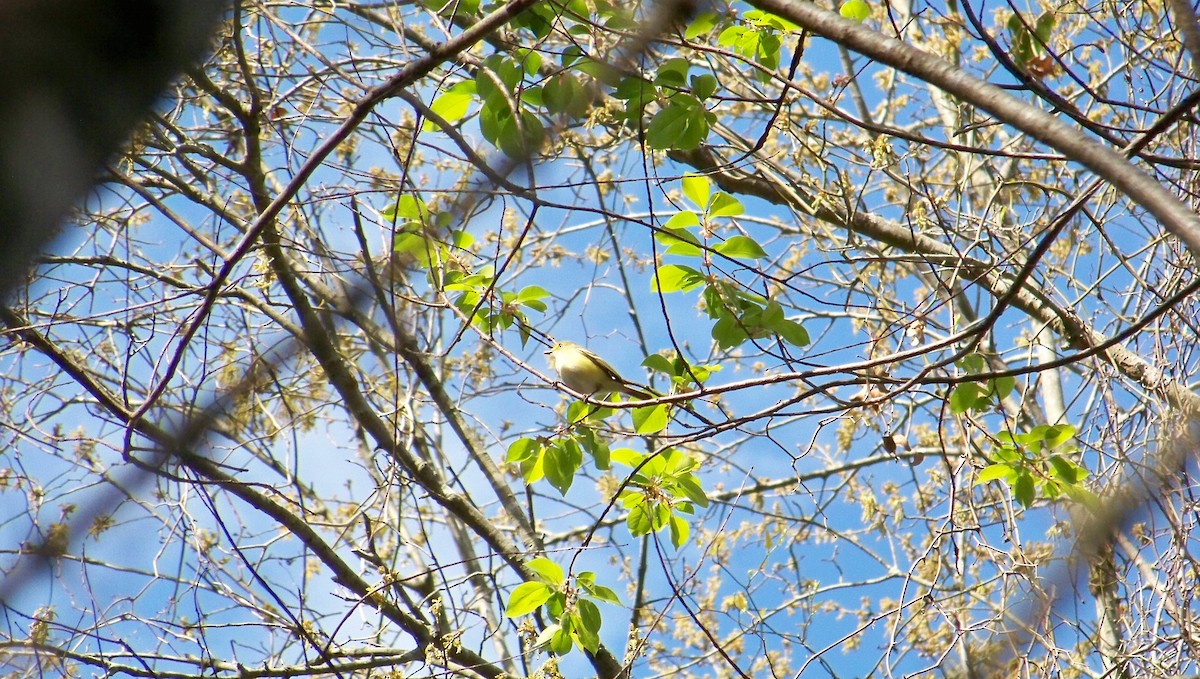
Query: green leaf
x,y
683,124
702,24
855,10
1032,437
675,462
407,208
680,221
602,593
703,86
461,9
1001,387
792,332
659,364
526,598
579,411
588,625
692,490
1067,471
1058,435
497,78
660,516
972,364
994,472
672,73
530,293
530,60
764,18
533,469
680,531
759,44
679,241
596,447
697,188
545,639
556,605
550,572
525,139
638,93
522,449
732,35
728,332
539,19
560,466
724,205
459,239
561,642
651,419
1022,45
1007,453
963,397
628,457
676,278
516,133
1023,489
563,93
426,252
1045,27
452,104
639,521
742,247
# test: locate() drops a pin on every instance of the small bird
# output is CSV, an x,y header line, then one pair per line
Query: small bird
x,y
588,374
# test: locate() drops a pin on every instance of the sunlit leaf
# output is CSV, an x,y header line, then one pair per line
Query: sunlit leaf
x,y
526,598
452,104
651,419
550,571
855,10
742,247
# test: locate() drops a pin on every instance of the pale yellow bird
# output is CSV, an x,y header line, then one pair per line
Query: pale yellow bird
x,y
588,374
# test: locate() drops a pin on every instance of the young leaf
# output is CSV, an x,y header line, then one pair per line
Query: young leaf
x,y
963,397
587,625
742,247
638,520
526,598
651,419
679,241
452,104
672,73
994,472
696,188
692,490
855,10
703,86
550,572
629,458
728,332
683,124
724,205
559,471
676,278
1058,435
602,593
1023,489
679,531
561,642
521,450
702,24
